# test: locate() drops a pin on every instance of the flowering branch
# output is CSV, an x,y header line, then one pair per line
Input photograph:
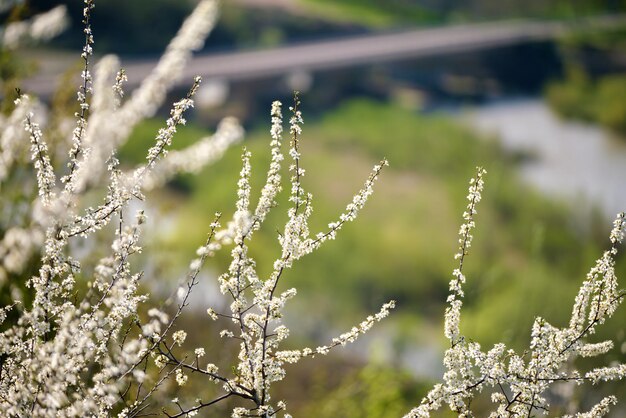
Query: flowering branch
x,y
257,307
83,92
519,385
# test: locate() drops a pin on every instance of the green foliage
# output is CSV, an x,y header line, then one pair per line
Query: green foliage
x,y
581,95
600,101
610,106
415,12
372,392
571,98
134,152
12,70
426,144
374,13
607,39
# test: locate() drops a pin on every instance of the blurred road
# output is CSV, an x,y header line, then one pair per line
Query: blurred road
x,y
347,52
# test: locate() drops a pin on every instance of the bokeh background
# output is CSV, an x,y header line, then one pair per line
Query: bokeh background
x,y
544,114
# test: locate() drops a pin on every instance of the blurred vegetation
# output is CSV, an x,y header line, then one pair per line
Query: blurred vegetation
x,y
599,101
526,247
12,67
375,391
146,26
591,90
529,256
374,13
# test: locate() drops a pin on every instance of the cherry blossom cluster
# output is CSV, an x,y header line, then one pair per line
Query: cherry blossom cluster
x,y
520,384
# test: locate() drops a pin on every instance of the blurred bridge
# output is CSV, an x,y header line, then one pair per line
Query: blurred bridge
x,y
346,52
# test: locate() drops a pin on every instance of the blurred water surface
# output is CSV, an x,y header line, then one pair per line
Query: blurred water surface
x,y
580,162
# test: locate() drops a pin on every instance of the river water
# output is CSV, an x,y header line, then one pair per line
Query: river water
x,y
582,163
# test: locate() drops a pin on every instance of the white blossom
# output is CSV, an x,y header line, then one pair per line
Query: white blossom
x,y
145,100
71,350
179,337
520,383
181,378
195,157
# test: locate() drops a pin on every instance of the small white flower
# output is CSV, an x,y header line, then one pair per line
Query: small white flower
x,y
212,368
181,378
179,337
212,314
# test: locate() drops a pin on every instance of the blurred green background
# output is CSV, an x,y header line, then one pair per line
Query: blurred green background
x,y
531,249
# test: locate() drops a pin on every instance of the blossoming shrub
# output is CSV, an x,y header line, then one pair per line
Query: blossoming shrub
x,y
78,337
520,384
69,351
